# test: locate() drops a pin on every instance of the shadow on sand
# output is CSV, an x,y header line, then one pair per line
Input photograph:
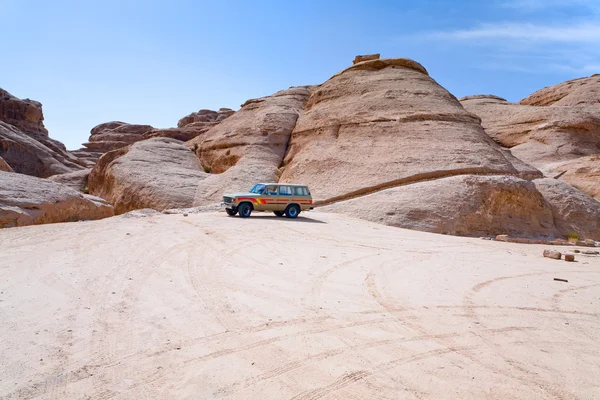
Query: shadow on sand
x,y
300,218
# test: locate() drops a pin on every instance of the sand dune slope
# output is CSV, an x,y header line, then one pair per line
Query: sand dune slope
x,y
322,307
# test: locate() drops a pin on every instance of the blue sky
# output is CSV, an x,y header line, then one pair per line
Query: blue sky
x,y
153,62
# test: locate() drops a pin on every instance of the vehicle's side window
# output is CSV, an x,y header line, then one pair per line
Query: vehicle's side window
x,y
300,191
285,191
271,191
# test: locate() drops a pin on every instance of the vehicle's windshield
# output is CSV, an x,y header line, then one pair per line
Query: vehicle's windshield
x,y
258,188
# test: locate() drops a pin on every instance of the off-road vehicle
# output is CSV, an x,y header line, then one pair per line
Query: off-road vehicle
x,y
282,198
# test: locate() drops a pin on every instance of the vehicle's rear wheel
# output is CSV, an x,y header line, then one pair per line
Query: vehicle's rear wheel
x,y
230,212
278,213
245,210
292,211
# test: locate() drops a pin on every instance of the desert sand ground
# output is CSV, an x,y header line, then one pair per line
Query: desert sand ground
x,y
325,306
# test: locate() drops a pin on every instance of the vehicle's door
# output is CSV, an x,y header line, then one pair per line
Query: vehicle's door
x,y
269,201
301,197
285,197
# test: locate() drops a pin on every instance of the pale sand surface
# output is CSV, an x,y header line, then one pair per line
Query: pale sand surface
x,y
326,306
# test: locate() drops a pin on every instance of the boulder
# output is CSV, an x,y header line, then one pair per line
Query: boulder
x,y
576,92
28,200
466,205
4,166
158,173
384,123
573,210
77,180
552,254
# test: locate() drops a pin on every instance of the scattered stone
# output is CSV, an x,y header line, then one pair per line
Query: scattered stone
x,y
576,251
502,238
590,252
569,257
185,214
485,238
561,280
552,254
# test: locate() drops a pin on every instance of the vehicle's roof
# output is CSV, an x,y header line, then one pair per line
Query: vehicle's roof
x,y
286,184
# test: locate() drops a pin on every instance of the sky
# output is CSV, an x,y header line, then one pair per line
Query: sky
x,y
153,62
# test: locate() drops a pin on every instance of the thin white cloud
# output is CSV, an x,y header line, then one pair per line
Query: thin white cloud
x,y
533,5
583,33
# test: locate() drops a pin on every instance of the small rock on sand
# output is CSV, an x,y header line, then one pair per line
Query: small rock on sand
x,y
552,254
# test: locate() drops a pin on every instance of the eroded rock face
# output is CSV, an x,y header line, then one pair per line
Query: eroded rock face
x,y
28,200
35,153
383,123
576,92
24,141
116,134
77,180
158,173
466,205
583,173
4,166
551,138
207,116
573,210
26,115
243,149
259,130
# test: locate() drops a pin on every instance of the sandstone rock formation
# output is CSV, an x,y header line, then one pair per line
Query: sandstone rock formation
x,y
243,149
115,135
35,153
551,138
576,92
206,116
24,141
4,166
461,205
26,115
28,200
77,180
380,140
157,173
573,210
367,57
383,123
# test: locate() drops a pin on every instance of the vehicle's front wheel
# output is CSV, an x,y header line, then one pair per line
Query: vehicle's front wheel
x,y
278,213
292,211
245,210
230,212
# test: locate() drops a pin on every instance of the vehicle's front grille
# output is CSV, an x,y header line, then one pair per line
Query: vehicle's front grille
x,y
227,199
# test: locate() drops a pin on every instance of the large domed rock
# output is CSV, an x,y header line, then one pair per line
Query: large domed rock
x,y
158,173
24,141
28,200
551,138
382,123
